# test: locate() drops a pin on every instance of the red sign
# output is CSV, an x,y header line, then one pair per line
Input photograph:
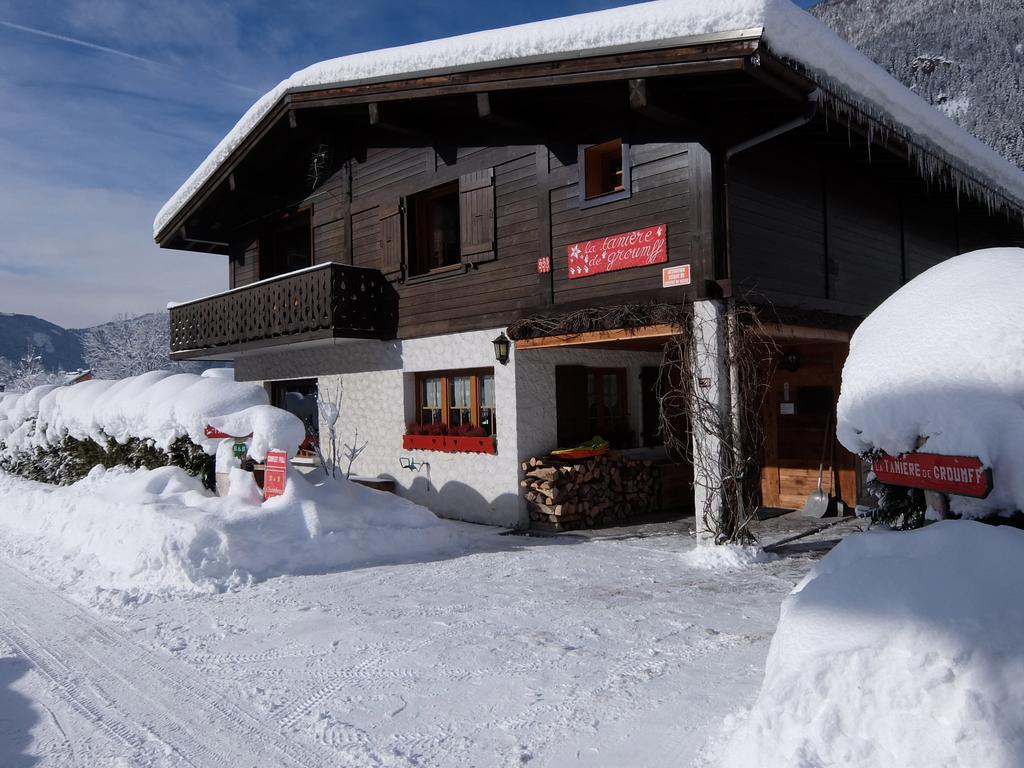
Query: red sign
x,y
609,254
958,475
543,265
673,276
215,434
275,475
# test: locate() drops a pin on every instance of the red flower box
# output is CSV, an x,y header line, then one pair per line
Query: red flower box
x,y
423,442
449,444
470,444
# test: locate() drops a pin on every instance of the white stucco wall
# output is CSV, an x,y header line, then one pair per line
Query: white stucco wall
x,y
378,400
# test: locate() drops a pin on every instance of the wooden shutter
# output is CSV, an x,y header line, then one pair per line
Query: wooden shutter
x,y
571,416
389,245
476,217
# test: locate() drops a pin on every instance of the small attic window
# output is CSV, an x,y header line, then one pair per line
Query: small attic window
x,y
604,171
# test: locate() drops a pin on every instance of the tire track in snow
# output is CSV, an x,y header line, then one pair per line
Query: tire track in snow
x,y
156,708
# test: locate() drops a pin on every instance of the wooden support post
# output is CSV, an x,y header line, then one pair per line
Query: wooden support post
x,y
709,340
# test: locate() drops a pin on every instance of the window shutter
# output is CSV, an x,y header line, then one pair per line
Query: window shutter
x,y
476,217
389,246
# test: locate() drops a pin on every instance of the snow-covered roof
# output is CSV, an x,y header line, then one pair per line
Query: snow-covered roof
x,y
789,32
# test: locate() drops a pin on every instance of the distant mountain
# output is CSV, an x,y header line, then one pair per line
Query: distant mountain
x,y
123,347
965,57
59,348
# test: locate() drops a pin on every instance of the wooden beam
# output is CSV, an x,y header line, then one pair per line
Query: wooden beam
x,y
785,332
660,331
293,120
643,103
380,118
485,111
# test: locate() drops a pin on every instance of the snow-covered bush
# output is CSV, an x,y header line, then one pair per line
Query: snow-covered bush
x,y
939,367
72,459
897,649
156,419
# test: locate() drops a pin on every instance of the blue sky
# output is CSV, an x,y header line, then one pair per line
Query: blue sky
x,y
110,104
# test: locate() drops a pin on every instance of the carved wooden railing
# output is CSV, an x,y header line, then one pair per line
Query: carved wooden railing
x,y
329,300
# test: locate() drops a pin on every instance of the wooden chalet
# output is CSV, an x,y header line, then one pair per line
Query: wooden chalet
x,y
382,231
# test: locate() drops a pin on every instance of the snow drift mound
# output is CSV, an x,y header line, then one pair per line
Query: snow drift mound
x,y
158,531
897,649
943,359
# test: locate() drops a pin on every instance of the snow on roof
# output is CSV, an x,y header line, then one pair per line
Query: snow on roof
x,y
787,30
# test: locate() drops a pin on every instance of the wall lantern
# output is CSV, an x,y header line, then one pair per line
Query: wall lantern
x,y
501,345
791,359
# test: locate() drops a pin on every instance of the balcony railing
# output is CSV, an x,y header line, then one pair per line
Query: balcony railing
x,y
323,302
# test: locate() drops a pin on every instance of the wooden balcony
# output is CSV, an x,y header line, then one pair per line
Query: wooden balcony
x,y
330,301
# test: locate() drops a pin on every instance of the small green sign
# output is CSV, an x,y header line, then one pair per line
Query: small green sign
x,y
239,449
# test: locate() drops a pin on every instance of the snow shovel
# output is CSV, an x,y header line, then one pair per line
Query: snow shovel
x,y
819,503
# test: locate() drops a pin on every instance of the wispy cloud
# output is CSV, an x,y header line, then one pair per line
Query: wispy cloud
x,y
76,41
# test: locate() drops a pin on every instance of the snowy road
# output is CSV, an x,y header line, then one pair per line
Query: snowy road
x,y
527,651
108,694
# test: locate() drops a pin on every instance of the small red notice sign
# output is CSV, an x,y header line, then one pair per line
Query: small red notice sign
x,y
638,248
958,475
673,276
275,475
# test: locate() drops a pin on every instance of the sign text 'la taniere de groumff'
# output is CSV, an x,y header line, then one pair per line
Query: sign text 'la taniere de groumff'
x,y
957,475
623,251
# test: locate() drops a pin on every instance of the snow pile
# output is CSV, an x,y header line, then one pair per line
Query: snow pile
x,y
897,649
160,406
726,557
943,359
788,31
159,532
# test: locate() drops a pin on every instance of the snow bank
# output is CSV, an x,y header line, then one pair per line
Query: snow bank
x,y
160,406
158,531
726,557
943,359
897,649
789,31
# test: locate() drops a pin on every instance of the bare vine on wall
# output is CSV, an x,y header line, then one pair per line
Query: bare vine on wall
x,y
690,408
732,473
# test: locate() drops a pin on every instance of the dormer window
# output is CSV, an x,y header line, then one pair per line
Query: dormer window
x,y
604,172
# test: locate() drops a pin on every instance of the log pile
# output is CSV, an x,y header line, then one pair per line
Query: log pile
x,y
563,495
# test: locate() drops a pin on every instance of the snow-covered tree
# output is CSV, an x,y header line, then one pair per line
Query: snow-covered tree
x,y
26,373
127,346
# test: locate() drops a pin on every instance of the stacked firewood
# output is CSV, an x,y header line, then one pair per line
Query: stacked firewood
x,y
562,495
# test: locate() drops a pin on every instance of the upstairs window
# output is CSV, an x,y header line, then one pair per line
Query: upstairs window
x,y
287,248
433,218
604,172
461,401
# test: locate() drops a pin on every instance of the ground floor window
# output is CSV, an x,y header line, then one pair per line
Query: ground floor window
x,y
457,402
299,397
592,401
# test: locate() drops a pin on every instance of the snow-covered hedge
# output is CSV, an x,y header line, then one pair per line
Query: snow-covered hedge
x,y
159,410
942,360
897,649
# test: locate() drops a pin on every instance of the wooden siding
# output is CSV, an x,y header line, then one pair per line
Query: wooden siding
x,y
490,293
244,267
660,194
837,232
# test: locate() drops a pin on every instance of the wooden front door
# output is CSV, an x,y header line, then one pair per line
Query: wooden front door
x,y
800,406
